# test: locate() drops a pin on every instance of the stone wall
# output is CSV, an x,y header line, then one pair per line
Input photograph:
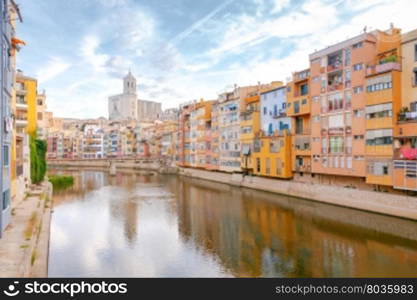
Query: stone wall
x,y
384,203
140,164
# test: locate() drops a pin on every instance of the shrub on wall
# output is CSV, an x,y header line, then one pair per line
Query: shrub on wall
x,y
37,159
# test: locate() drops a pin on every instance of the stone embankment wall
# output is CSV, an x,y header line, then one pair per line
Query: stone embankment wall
x,y
383,203
139,164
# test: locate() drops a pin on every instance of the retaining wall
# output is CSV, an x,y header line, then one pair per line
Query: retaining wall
x,y
383,203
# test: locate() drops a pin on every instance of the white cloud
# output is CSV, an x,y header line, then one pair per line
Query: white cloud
x,y
279,5
54,67
167,72
197,25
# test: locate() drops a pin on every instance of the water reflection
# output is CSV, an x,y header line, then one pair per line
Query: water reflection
x,y
167,226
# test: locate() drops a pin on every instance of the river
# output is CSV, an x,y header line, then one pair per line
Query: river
x,y
151,225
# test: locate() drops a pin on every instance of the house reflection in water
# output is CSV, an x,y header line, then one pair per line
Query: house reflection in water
x,y
253,236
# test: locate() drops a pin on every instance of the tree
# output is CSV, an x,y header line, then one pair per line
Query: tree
x,y
37,159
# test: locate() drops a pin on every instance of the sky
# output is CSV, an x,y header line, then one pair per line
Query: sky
x,y
79,50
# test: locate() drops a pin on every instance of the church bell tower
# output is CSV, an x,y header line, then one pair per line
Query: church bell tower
x,y
129,84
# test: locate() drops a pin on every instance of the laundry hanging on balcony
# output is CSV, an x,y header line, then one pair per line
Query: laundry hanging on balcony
x,y
409,153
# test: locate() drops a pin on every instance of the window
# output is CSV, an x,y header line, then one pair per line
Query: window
x,y
378,168
324,161
347,56
246,129
347,78
358,67
304,89
6,199
258,165
265,111
348,99
358,89
296,107
267,166
336,144
358,113
324,145
379,111
379,137
415,78
304,102
274,146
349,162
6,155
415,52
379,87
335,102
278,166
358,45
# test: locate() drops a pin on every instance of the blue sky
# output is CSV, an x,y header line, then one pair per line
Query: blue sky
x,y
184,49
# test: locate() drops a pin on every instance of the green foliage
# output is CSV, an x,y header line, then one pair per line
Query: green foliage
x,y
38,150
61,181
391,58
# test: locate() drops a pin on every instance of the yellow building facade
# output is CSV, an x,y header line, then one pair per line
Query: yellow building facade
x,y
272,156
249,126
27,96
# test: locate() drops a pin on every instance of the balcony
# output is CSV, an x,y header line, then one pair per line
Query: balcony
x,y
383,68
21,122
335,87
279,115
334,62
407,116
21,103
21,92
303,169
405,175
336,131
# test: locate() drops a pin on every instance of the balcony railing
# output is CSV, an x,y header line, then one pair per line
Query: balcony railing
x,y
334,67
335,87
407,116
279,115
303,168
382,68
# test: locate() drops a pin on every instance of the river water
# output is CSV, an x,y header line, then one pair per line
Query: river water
x,y
151,225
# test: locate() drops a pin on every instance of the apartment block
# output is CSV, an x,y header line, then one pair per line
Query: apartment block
x,y
184,131
383,103
229,127
201,142
405,133
339,77
299,109
93,142
212,138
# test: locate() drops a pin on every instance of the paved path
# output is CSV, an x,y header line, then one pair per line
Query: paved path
x,y
18,247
